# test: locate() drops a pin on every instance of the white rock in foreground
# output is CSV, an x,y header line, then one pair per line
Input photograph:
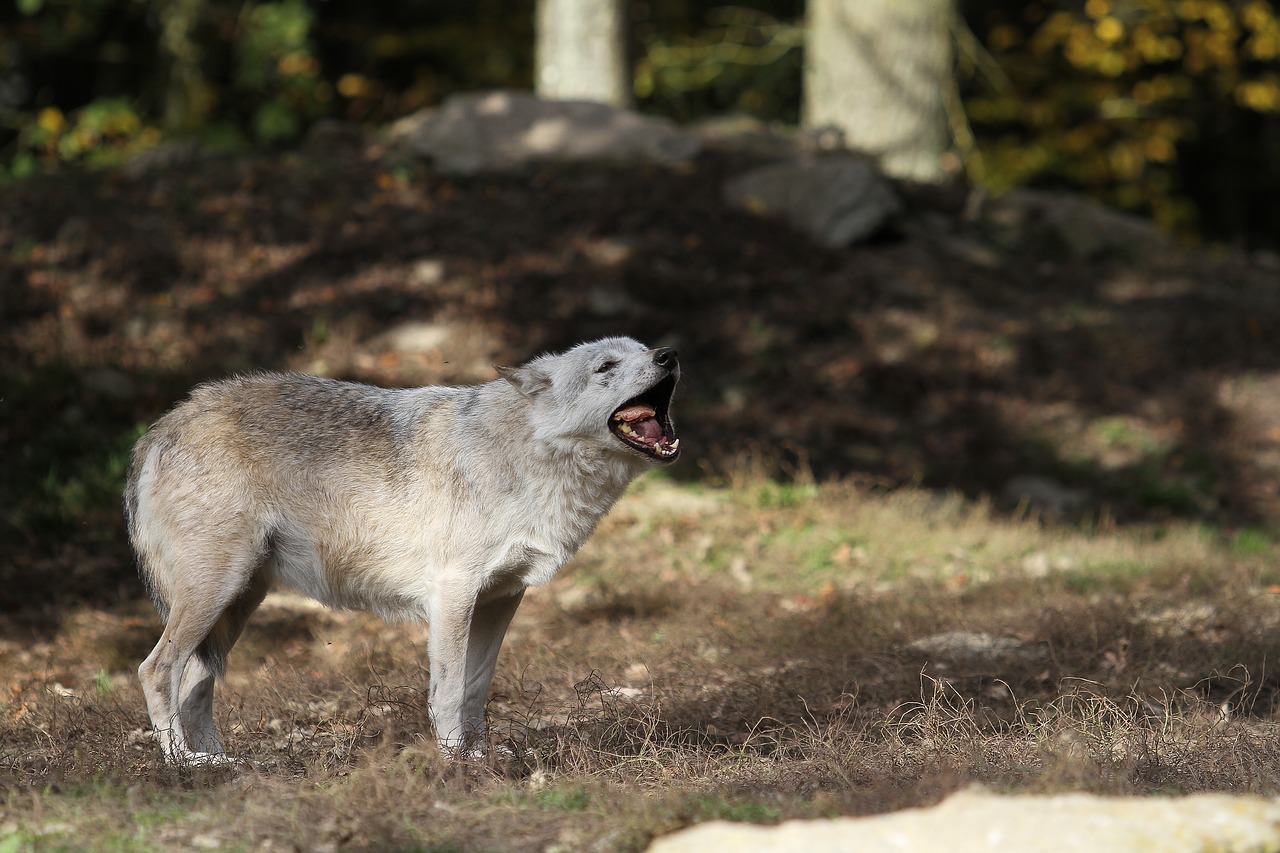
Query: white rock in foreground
x,y
505,131
976,820
970,649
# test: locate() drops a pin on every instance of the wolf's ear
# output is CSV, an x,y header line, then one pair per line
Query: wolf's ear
x,y
527,380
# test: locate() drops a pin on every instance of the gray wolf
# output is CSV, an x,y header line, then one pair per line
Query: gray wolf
x,y
434,503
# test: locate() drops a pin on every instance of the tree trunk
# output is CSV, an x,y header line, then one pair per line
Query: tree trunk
x,y
582,51
879,70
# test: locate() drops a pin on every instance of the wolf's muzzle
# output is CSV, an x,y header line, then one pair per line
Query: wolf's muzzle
x,y
665,357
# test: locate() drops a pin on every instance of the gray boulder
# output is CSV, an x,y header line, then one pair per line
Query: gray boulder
x,y
1056,222
833,201
506,131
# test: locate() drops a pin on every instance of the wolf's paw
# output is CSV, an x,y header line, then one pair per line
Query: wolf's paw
x,y
187,758
497,751
483,752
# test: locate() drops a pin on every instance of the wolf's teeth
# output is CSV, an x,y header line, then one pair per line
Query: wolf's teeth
x,y
675,445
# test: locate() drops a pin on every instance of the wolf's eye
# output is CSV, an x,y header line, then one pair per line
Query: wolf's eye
x,y
606,367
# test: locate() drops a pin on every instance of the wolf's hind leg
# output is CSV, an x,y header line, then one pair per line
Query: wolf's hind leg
x,y
204,620
209,662
196,706
161,675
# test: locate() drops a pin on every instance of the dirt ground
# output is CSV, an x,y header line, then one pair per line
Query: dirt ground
x,y
979,360
746,652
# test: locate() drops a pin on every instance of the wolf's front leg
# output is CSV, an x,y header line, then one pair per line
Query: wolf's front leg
x,y
448,632
489,624
463,643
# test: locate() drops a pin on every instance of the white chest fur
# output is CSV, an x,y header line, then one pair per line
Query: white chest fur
x,y
567,505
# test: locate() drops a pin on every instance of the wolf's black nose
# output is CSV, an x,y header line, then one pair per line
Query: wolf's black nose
x,y
665,357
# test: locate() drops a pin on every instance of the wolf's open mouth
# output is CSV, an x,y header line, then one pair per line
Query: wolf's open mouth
x,y
644,422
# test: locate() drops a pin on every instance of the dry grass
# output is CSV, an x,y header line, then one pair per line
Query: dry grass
x,y
753,651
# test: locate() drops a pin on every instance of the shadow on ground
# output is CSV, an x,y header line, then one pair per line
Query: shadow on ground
x,y
952,352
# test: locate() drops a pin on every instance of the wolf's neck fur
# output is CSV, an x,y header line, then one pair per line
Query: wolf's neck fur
x,y
572,485
586,485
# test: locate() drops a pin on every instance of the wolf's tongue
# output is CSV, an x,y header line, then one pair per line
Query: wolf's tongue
x,y
648,429
641,422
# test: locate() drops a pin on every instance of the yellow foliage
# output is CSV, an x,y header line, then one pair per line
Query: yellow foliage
x,y
1117,86
1154,48
1221,46
1053,32
124,123
1109,30
1112,64
1157,149
1003,37
1219,16
1264,46
1127,160
1262,95
1258,16
1158,88
355,85
1083,137
298,64
51,121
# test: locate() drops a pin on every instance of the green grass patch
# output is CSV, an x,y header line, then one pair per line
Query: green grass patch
x,y
1249,542
1121,433
739,809
1105,575
565,800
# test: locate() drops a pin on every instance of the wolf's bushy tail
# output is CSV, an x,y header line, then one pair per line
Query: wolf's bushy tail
x,y
145,570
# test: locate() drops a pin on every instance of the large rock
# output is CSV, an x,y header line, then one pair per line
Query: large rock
x,y
507,131
975,820
833,201
1055,222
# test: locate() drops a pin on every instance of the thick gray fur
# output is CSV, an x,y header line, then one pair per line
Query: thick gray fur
x,y
434,503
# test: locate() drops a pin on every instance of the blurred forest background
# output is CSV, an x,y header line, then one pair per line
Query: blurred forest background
x,y
1168,108
197,187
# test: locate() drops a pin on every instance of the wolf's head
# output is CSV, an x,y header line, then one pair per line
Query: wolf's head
x,y
614,394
